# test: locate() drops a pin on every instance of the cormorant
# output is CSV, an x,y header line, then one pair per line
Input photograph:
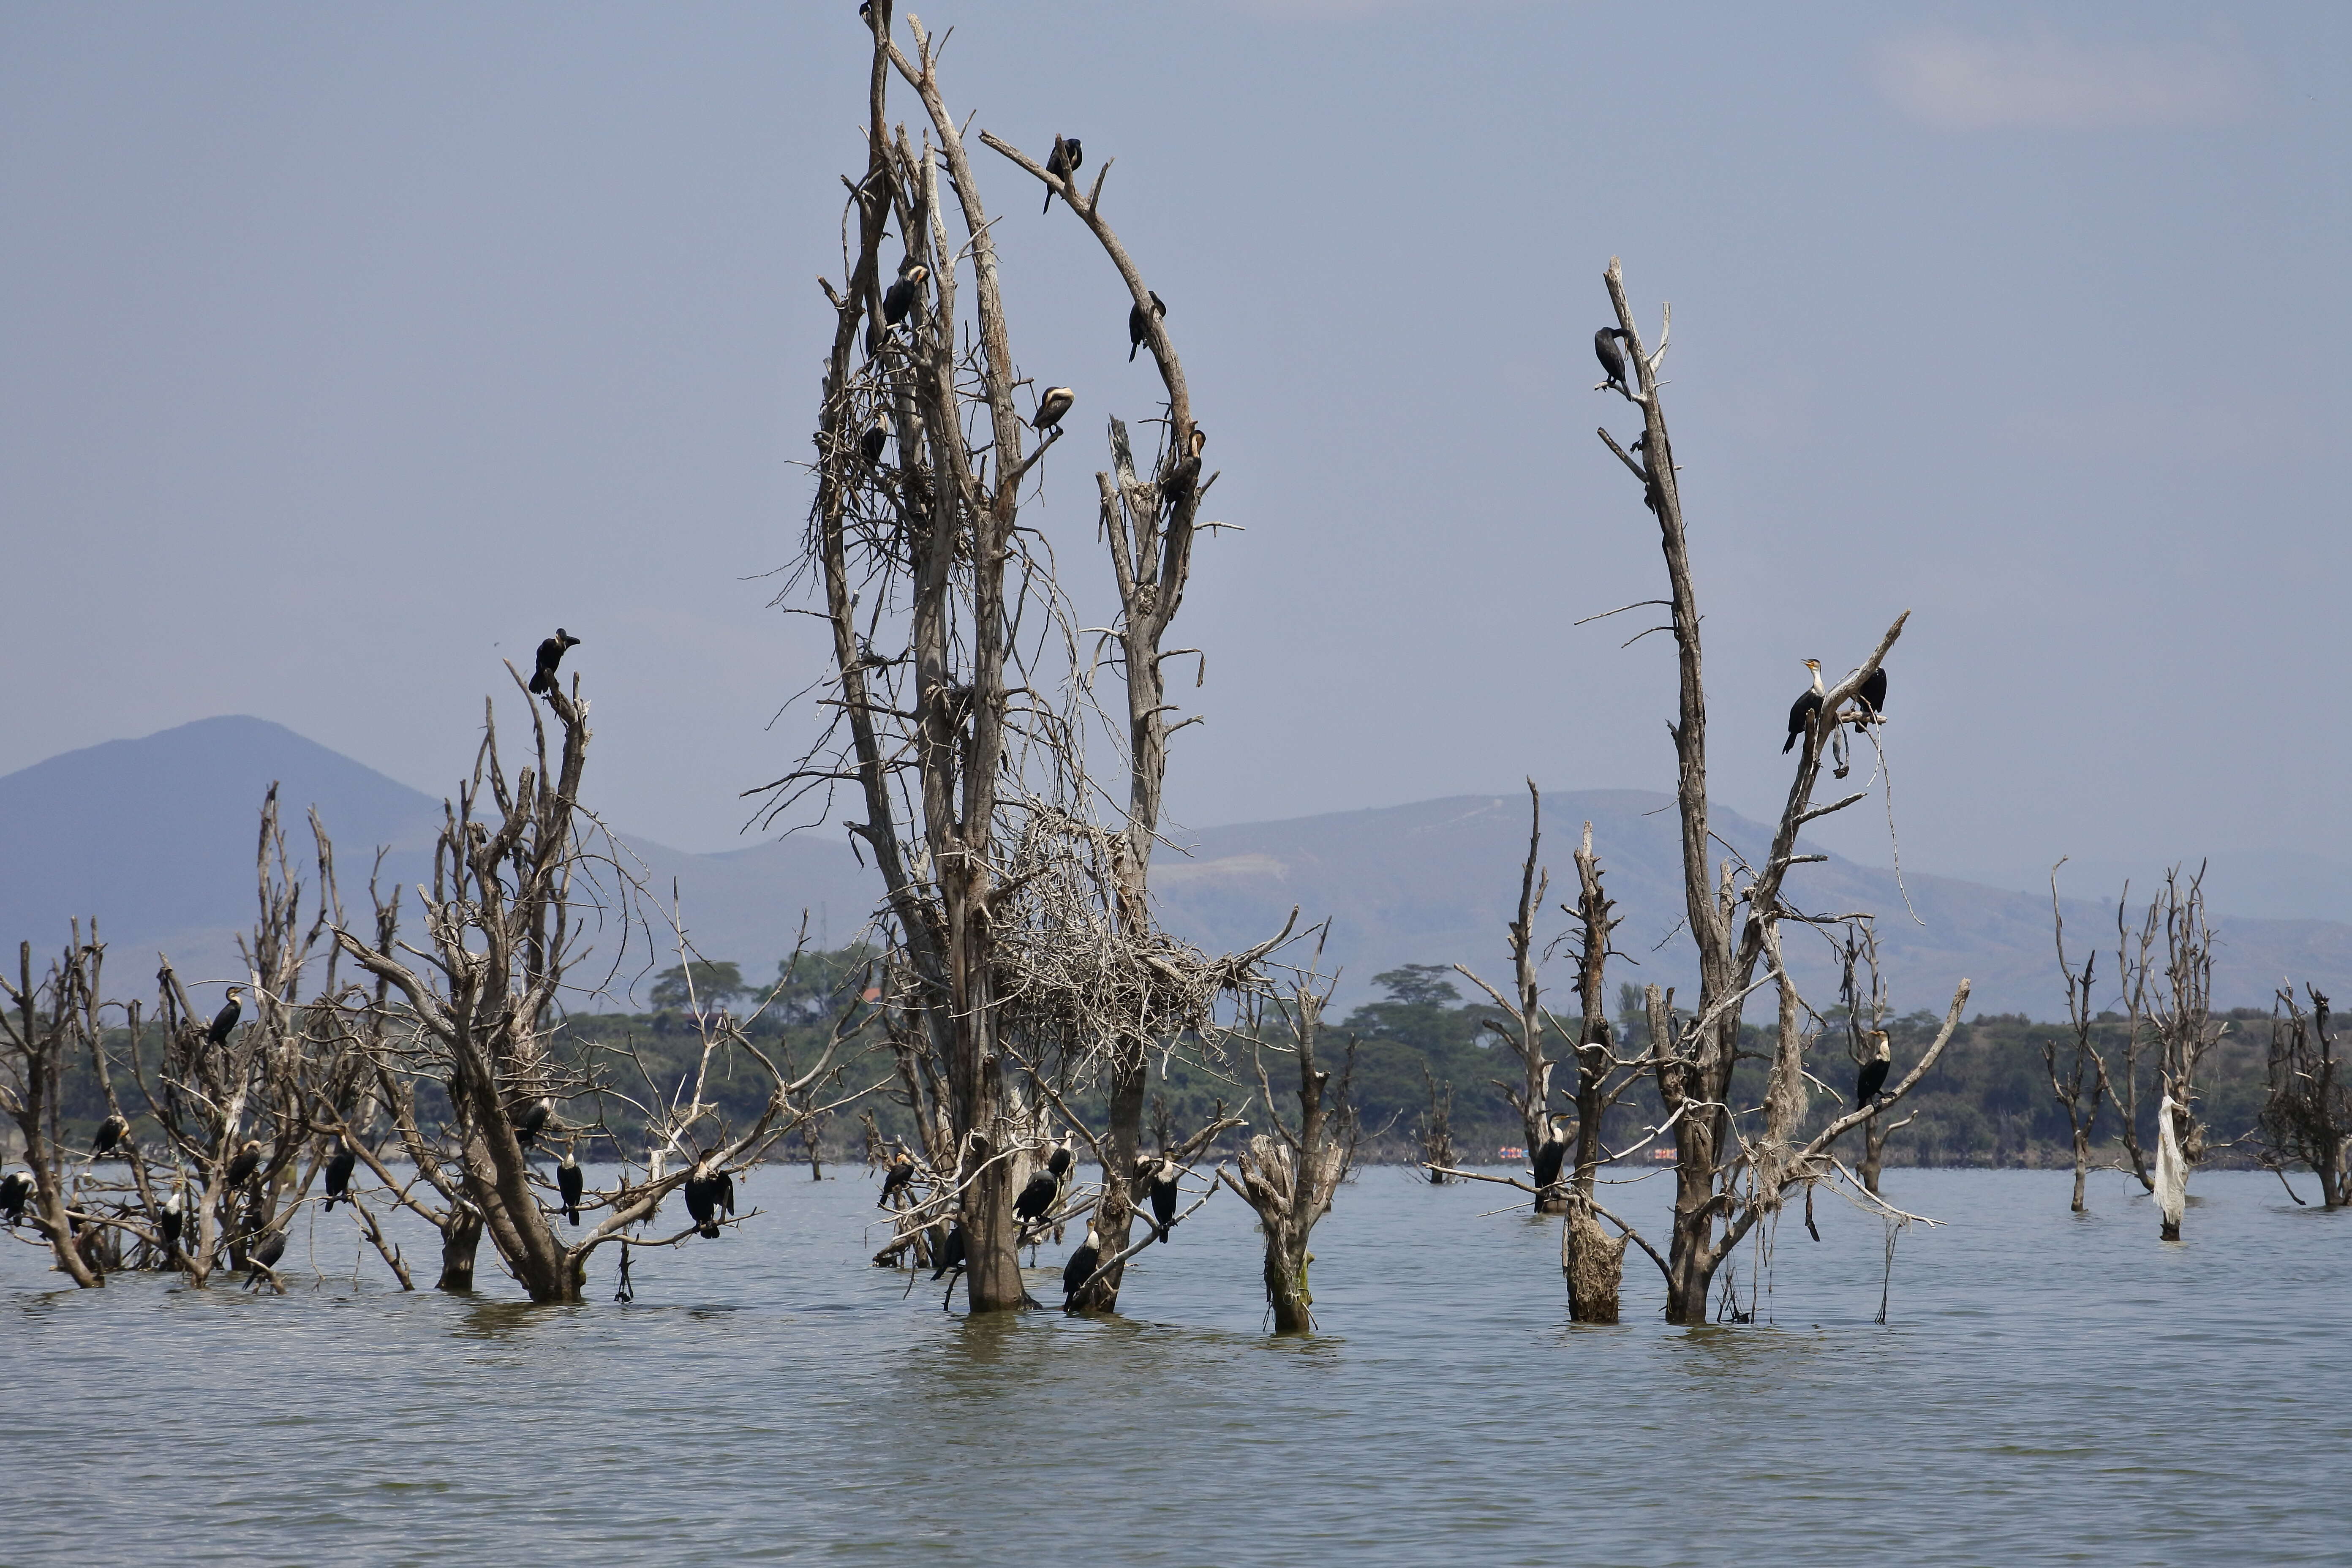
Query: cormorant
x,y
174,1220
1081,1265
1160,1187
951,1253
1612,358
895,1180
340,1165
1036,1199
550,654
1872,694
1058,1162
1872,1077
1052,406
263,1259
876,436
1551,1154
1063,161
16,1192
527,1130
702,1202
570,1183
1185,477
1139,325
110,1132
1801,711
226,1019
900,298
241,1169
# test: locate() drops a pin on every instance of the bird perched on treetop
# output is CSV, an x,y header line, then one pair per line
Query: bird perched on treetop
x,y
265,1257
1058,1162
1160,1187
1139,325
241,1169
1872,1077
526,1129
226,1019
110,1132
1552,1153
900,298
1185,479
876,437
173,1220
1036,1199
16,1192
1801,711
570,1183
1081,1267
951,1252
1052,406
703,1193
340,1165
1612,359
895,1179
550,654
1873,692
1063,161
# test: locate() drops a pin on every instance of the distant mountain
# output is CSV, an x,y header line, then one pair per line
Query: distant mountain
x,y
155,837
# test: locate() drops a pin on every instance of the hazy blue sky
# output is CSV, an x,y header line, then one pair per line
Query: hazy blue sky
x,y
344,349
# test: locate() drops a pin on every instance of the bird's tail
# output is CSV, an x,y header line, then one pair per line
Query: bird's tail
x,y
1790,744
571,1216
1049,203
539,684
1131,348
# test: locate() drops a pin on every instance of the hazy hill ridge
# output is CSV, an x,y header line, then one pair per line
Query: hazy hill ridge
x,y
155,837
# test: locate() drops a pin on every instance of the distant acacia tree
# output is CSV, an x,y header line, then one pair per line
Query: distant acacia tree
x,y
704,984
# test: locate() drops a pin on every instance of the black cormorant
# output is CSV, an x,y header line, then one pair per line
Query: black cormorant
x,y
1052,406
1801,711
241,1169
1185,479
264,1257
1081,1265
1139,325
1036,1199
951,1253
570,1183
876,437
1551,1154
550,654
1160,1188
340,1165
1063,161
1872,1077
1612,358
173,1220
895,1180
226,1019
16,1192
1873,692
110,1132
900,298
527,1130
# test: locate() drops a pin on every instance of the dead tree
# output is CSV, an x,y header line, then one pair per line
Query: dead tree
x,y
1436,1132
1592,1260
1522,1025
2083,1085
40,1030
1288,1176
1730,915
2307,1114
2134,965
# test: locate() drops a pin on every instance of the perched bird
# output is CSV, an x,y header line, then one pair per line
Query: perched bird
x,y
1058,1162
570,1183
226,1019
1139,325
1612,358
241,1169
340,1165
1551,1154
900,298
1160,1188
1872,694
1081,1265
895,1179
1063,161
111,1132
1036,1199
1801,711
173,1220
1052,406
16,1192
527,1130
876,437
951,1253
264,1257
1872,1077
1184,479
702,1200
550,654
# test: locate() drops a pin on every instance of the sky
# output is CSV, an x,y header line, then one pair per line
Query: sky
x,y
346,350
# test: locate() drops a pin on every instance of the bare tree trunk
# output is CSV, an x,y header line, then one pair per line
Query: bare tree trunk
x,y
1288,1177
1593,1260
37,1035
461,1240
1523,1032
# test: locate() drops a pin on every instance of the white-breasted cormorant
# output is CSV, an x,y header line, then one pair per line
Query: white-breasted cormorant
x,y
340,1165
1801,711
16,1192
1552,1153
1052,406
900,298
1872,1077
570,1183
241,1169
895,1179
876,437
706,1194
226,1019
1160,1189
550,654
111,1132
1139,325
534,1121
1064,160
173,1220
1081,1265
1058,1162
1612,358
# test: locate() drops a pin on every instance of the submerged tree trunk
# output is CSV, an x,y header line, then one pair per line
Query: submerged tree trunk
x,y
1289,1178
461,1237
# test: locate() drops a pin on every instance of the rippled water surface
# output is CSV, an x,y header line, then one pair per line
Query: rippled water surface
x,y
2048,1388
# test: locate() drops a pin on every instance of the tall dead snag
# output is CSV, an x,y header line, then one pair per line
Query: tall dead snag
x,y
1730,916
1522,1025
2182,1016
40,1031
2078,1098
2307,1114
1436,1131
1288,1176
1593,1259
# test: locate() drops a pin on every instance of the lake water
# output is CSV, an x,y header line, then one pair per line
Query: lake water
x,y
2048,1388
